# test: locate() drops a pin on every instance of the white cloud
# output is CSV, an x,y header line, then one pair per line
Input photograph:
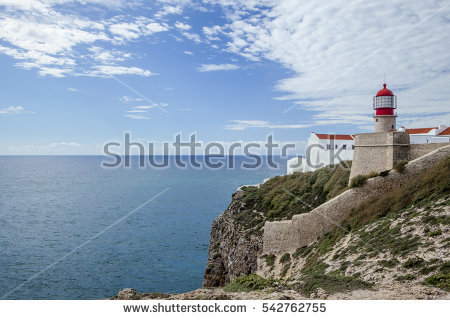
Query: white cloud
x,y
245,124
182,26
212,32
339,52
12,110
189,53
126,99
72,89
166,10
43,36
136,117
192,36
110,70
141,26
217,67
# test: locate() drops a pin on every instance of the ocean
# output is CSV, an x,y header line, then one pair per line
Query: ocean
x,y
51,206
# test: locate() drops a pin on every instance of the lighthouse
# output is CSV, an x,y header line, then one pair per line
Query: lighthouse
x,y
384,104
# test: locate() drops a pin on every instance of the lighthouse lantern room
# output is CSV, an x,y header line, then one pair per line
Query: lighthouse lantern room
x,y
384,104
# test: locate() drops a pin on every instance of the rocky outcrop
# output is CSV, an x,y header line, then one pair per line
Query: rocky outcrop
x,y
233,251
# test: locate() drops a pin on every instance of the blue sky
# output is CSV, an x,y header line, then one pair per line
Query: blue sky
x,y
76,74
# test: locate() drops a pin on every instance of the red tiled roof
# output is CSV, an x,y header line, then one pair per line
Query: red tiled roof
x,y
446,132
335,136
420,130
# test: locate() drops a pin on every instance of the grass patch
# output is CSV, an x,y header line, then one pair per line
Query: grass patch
x,y
405,277
285,269
434,233
384,173
400,166
413,263
248,283
441,281
358,181
284,196
332,283
389,263
302,252
285,258
431,185
270,259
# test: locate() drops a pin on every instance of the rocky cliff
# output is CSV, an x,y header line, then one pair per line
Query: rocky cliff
x,y
236,235
233,250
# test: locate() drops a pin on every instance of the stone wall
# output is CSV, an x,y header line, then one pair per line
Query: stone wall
x,y
376,152
303,229
418,150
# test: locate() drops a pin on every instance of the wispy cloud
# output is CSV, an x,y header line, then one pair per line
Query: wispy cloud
x,y
182,26
72,89
58,48
245,124
14,110
189,53
217,67
136,117
331,59
126,99
109,70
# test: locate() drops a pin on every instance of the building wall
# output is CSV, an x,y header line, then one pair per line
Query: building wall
x,y
418,150
384,123
422,138
318,155
376,152
286,236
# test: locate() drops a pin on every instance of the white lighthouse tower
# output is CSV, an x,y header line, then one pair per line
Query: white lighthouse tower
x,y
384,104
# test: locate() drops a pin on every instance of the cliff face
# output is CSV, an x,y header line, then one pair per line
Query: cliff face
x,y
236,235
232,251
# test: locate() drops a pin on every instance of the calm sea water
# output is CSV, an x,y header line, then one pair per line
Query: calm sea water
x,y
51,205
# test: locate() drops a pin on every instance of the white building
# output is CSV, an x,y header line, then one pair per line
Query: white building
x,y
428,135
325,149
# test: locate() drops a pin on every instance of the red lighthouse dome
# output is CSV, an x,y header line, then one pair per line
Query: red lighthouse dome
x,y
384,91
384,102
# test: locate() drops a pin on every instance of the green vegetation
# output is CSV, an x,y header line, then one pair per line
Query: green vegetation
x,y
435,233
441,281
400,166
433,220
358,181
413,263
389,263
249,283
373,174
270,259
285,258
405,277
315,277
284,196
285,269
384,173
431,185
302,252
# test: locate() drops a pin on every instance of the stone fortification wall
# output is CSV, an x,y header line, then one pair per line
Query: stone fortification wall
x,y
303,229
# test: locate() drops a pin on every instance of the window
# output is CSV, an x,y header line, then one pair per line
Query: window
x,y
353,147
344,147
392,126
328,147
336,147
376,120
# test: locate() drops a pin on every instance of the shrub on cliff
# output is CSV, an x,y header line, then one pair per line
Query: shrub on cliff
x,y
358,181
400,166
248,283
284,196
